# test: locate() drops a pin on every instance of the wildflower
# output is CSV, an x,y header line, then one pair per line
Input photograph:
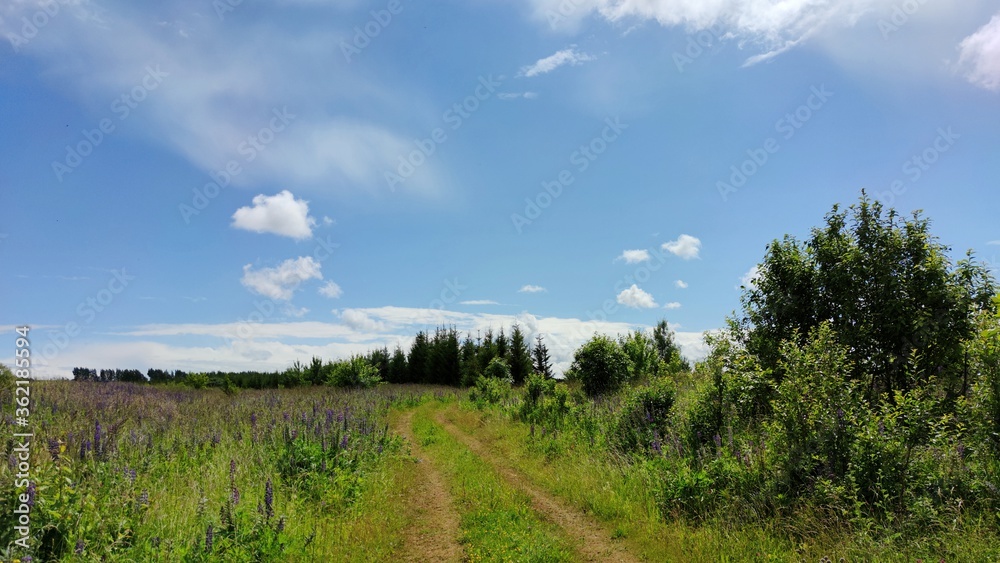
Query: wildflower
x,y
209,534
343,442
79,546
253,420
268,500
97,438
143,499
281,525
54,448
31,494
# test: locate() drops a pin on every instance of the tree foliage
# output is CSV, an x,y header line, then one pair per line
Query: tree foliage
x,y
888,290
601,365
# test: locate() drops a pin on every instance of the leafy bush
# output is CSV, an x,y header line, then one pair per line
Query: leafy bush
x,y
490,391
498,368
642,420
355,372
601,365
814,410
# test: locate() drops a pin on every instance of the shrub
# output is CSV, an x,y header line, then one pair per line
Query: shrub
x,y
498,368
814,410
643,418
355,372
490,391
601,365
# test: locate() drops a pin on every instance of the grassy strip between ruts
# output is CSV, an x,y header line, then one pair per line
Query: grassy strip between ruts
x,y
496,520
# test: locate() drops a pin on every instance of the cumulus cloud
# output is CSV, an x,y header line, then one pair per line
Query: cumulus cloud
x,y
979,56
634,256
280,214
531,289
568,56
672,305
686,247
331,290
636,298
281,282
681,284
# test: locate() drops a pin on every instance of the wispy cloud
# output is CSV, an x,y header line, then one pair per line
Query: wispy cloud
x,y
517,95
545,65
681,284
531,289
478,302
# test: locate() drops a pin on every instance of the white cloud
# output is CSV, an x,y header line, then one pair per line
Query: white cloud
x,y
749,279
980,55
327,221
297,312
275,345
636,298
210,99
994,242
686,247
568,56
517,95
478,302
331,290
531,289
280,214
672,305
681,284
634,256
359,320
281,282
775,26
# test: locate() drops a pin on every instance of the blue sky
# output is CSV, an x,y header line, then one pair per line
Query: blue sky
x,y
223,185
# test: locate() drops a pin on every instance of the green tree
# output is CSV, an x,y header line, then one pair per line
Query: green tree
x,y
398,367
540,356
419,359
520,358
601,365
498,369
888,290
667,350
642,355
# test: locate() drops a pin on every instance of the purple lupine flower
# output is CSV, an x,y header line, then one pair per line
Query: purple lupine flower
x,y
27,559
268,499
961,451
253,420
54,449
718,440
143,498
234,496
12,462
286,416
31,495
97,438
281,525
343,442
232,470
209,534
79,547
